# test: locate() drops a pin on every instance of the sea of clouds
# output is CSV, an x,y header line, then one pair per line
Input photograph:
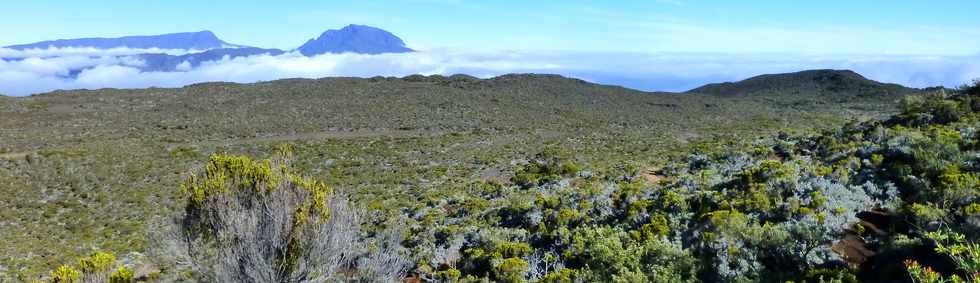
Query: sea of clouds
x,y
43,70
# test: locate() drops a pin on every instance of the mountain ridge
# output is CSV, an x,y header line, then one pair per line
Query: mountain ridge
x,y
166,62
873,89
360,39
204,39
354,38
364,39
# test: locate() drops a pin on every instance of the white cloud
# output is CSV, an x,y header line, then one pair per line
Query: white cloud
x,y
184,66
86,51
649,71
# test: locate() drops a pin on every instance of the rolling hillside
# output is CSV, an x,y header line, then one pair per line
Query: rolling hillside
x,y
93,170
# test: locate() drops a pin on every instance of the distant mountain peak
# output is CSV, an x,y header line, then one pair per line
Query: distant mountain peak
x,y
356,27
200,40
356,39
825,81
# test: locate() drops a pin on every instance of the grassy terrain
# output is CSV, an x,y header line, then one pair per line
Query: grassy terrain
x,y
91,170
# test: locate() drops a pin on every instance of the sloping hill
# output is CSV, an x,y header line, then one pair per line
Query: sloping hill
x,y
93,168
228,110
818,82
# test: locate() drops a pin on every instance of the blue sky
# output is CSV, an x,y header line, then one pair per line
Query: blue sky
x,y
811,27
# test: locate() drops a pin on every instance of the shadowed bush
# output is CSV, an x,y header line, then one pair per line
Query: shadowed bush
x,y
254,221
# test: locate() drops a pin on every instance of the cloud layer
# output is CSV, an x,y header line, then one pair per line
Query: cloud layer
x,y
7,53
38,71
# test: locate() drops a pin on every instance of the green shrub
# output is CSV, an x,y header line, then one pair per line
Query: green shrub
x,y
511,270
66,274
836,275
255,221
564,275
121,275
511,249
98,263
964,253
99,267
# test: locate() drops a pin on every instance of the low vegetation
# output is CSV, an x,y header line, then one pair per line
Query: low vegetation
x,y
878,199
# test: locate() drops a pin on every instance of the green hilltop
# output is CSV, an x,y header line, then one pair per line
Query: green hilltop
x,y
845,83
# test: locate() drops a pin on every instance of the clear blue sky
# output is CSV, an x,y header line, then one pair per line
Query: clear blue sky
x,y
816,27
